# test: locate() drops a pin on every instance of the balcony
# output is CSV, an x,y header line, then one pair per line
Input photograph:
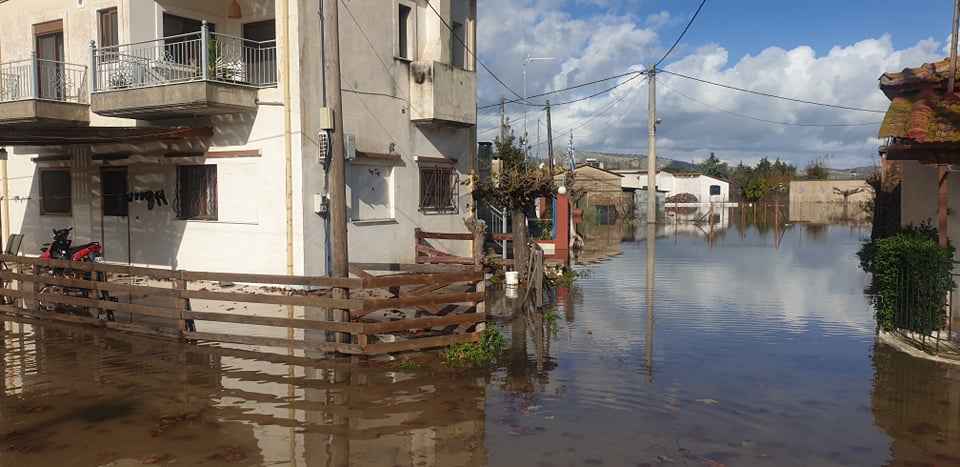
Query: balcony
x,y
200,73
43,92
442,94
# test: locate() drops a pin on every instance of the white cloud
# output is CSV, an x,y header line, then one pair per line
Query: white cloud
x,y
588,48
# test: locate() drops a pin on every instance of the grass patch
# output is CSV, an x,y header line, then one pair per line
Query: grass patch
x,y
482,353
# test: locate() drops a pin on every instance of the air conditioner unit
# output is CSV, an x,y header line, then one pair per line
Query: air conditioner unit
x,y
323,147
349,147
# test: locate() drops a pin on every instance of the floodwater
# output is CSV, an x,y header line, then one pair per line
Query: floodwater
x,y
762,352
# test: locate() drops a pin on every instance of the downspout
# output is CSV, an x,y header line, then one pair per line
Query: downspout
x,y
287,136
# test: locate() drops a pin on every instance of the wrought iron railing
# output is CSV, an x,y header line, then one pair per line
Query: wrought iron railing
x,y
921,315
202,55
35,78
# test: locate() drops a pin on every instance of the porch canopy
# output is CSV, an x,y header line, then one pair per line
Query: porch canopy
x,y
77,135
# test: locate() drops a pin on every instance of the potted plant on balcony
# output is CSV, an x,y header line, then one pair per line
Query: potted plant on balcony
x,y
223,65
120,79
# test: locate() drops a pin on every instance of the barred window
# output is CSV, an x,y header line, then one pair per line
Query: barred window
x,y
55,192
196,192
439,190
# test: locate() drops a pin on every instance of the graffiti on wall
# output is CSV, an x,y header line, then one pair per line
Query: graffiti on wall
x,y
151,197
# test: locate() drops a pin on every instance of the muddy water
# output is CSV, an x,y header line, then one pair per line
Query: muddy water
x,y
761,352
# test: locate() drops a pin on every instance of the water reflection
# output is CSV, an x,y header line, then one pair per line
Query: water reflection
x,y
742,351
94,398
917,403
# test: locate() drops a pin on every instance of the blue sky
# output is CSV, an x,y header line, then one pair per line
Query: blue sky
x,y
828,52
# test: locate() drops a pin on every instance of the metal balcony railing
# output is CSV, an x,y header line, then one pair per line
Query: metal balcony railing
x,y
35,78
202,55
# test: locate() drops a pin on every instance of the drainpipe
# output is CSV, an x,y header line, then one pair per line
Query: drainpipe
x,y
287,136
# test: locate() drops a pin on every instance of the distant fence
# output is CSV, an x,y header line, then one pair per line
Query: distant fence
x,y
389,309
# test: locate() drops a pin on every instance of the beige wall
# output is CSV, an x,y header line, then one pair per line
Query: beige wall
x,y
822,191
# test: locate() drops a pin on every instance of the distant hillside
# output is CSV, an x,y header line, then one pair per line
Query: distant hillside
x,y
630,161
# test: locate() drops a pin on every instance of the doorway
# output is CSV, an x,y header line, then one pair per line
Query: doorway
x,y
115,218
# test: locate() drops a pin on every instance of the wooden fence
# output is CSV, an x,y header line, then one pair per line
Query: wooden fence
x,y
390,308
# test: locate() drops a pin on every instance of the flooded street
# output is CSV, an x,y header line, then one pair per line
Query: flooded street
x,y
762,352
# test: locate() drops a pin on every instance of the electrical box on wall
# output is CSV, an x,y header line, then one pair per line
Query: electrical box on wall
x,y
326,118
320,203
349,147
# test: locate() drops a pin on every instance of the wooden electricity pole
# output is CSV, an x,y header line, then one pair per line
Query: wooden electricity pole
x,y
337,186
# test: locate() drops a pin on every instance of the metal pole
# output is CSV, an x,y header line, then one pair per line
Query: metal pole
x,y
652,145
550,138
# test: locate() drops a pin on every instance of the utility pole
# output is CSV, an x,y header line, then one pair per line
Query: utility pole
x,y
550,137
652,147
337,181
503,121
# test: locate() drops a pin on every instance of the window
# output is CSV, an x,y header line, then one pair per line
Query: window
x,y
113,182
196,196
370,192
180,45
260,52
458,46
606,214
48,44
438,190
55,191
405,32
109,31
714,190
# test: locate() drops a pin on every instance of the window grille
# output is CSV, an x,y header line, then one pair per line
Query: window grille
x,y
439,190
196,192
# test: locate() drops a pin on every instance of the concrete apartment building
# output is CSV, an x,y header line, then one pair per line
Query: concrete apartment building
x,y
192,135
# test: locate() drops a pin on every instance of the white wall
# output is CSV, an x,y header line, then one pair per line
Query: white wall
x,y
252,189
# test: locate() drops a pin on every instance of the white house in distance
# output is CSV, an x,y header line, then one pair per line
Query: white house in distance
x,y
707,189
190,134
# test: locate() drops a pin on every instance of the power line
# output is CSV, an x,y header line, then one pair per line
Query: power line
x,y
514,101
681,34
768,121
774,95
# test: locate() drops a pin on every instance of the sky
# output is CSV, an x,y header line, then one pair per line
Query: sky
x,y
824,52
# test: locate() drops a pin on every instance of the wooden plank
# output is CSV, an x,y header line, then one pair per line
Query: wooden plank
x,y
297,300
431,251
359,272
445,236
433,299
139,310
411,267
419,279
423,323
299,323
274,279
277,342
85,266
419,344
444,260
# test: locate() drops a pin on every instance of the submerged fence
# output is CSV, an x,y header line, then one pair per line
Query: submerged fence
x,y
387,310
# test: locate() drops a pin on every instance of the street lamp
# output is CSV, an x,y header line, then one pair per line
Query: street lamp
x,y
525,60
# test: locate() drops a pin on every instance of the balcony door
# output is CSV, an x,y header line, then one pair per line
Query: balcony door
x,y
49,47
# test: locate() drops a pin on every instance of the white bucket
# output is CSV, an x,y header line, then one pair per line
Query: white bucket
x,y
512,277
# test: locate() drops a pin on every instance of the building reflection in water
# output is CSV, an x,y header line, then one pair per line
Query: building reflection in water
x,y
157,400
917,403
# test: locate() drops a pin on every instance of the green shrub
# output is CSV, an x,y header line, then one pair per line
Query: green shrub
x,y
478,354
911,278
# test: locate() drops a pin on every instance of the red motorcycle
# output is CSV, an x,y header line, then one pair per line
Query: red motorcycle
x,y
61,248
